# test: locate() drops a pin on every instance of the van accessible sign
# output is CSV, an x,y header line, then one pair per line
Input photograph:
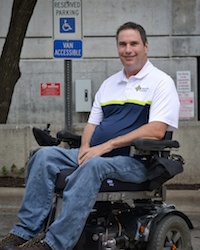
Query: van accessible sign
x,y
67,48
67,28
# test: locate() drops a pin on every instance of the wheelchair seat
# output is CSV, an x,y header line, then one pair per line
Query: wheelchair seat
x,y
108,185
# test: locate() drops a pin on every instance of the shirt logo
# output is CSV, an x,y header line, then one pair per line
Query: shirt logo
x,y
138,88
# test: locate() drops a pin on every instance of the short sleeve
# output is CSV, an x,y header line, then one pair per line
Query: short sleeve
x,y
96,114
165,104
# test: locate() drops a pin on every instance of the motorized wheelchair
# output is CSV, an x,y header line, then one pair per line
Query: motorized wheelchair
x,y
129,216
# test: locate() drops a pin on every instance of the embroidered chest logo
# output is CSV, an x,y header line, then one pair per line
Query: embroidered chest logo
x,y
138,88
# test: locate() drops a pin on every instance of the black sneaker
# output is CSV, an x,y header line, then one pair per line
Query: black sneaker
x,y
11,240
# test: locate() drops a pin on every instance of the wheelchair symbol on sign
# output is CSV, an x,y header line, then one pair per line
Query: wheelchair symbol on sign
x,y
67,25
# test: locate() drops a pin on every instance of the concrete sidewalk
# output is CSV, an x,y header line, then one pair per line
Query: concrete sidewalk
x,y
187,201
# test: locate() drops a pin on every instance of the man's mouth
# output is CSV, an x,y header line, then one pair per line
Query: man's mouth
x,y
129,57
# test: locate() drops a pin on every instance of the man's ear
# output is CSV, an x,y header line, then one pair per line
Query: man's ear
x,y
146,47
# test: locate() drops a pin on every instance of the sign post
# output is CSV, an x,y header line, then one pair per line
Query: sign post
x,y
67,34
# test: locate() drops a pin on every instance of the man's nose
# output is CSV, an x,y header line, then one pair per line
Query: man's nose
x,y
128,48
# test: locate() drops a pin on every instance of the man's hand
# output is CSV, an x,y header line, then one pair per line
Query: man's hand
x,y
85,153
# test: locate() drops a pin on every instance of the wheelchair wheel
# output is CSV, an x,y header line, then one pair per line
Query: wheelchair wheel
x,y
171,233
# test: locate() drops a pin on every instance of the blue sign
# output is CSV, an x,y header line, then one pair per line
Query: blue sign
x,y
67,25
67,48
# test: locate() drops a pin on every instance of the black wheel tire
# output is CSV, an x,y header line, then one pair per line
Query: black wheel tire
x,y
171,233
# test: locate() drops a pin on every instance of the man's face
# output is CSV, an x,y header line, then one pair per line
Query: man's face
x,y
132,52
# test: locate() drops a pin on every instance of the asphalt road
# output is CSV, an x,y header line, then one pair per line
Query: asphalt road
x,y
187,201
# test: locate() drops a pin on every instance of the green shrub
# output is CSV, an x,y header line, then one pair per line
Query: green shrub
x,y
13,172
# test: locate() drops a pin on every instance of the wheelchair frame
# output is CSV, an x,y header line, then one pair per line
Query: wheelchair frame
x,y
134,215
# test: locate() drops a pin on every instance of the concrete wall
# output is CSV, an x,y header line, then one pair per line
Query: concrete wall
x,y
188,137
17,143
173,32
28,106
18,140
172,26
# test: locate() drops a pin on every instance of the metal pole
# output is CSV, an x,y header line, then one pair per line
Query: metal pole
x,y
68,94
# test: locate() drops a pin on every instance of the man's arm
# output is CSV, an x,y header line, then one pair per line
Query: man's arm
x,y
85,140
87,134
154,130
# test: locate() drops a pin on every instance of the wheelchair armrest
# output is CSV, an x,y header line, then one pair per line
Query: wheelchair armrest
x,y
153,145
72,139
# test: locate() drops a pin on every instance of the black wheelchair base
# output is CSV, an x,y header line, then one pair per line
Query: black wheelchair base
x,y
128,216
129,220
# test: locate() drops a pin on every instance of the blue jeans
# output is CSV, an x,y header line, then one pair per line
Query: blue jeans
x,y
78,197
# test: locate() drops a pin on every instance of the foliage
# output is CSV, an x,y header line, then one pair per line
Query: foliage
x,y
4,171
13,171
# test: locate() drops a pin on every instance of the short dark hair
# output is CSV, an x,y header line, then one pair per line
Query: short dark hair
x,y
134,26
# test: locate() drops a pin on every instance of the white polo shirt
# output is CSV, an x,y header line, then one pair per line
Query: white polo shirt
x,y
122,105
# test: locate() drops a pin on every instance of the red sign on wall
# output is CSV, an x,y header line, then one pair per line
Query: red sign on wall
x,y
49,89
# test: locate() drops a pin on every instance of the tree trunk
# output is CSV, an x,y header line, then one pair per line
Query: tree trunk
x,y
22,11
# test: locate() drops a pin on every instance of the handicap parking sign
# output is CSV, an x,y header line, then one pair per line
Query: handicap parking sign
x,y
67,25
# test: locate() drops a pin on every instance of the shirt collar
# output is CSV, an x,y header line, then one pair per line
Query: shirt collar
x,y
147,68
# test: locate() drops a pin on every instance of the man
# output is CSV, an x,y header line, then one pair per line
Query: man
x,y
140,101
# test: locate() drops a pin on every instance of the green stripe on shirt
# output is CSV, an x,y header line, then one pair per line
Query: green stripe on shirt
x,y
126,101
